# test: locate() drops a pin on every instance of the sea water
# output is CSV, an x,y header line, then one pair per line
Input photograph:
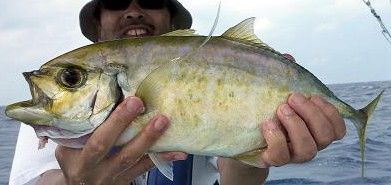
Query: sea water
x,y
340,163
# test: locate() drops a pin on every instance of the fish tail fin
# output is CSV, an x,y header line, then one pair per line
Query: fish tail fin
x,y
361,123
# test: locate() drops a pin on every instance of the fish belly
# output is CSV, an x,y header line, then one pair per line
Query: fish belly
x,y
214,109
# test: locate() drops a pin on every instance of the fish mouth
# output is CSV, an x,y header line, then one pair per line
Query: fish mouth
x,y
31,111
38,96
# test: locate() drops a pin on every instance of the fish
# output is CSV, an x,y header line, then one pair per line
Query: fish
x,y
216,91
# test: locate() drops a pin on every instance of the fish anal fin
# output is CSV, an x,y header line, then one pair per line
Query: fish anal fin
x,y
252,158
165,167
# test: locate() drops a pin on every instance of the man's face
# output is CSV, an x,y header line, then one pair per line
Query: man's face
x,y
133,22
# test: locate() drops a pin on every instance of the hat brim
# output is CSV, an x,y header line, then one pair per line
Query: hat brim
x,y
88,24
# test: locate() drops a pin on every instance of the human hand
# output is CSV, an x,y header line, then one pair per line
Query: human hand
x,y
304,127
93,165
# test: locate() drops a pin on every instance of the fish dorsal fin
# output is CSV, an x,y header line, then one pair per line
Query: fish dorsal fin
x,y
244,33
177,33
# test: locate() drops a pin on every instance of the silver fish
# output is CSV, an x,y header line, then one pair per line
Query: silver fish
x,y
215,95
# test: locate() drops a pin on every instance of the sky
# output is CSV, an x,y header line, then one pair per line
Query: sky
x,y
339,41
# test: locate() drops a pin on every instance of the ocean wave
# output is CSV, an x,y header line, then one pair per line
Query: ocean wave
x,y
292,181
369,87
362,180
345,160
374,142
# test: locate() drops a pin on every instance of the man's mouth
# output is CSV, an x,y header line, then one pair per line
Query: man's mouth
x,y
138,31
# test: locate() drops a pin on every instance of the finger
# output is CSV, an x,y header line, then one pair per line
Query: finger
x,y
143,165
317,123
277,152
173,156
289,57
100,142
140,144
64,154
66,159
302,145
332,114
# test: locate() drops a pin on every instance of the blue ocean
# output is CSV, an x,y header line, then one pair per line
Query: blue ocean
x,y
338,164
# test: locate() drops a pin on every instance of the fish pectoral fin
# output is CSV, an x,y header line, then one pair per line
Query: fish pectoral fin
x,y
165,167
175,61
252,158
151,86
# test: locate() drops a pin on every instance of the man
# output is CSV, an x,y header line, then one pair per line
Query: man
x,y
304,126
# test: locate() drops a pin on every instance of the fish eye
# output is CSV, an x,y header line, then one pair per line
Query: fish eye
x,y
72,77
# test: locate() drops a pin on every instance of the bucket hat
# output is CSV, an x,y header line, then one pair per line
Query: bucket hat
x,y
180,18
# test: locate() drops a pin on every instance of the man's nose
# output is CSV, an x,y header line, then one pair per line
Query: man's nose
x,y
134,12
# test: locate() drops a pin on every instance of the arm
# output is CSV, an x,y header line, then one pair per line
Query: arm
x,y
234,172
93,165
304,127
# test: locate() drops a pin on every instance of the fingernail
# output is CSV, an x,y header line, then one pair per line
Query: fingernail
x,y
160,124
298,98
134,104
286,110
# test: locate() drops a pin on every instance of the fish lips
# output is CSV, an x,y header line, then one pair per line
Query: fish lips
x,y
31,111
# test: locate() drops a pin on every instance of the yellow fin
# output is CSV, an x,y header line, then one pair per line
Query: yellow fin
x,y
244,32
177,33
252,158
151,84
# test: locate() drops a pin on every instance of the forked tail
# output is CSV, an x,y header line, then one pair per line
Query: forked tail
x,y
361,122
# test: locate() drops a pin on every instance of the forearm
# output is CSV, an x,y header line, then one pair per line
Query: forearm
x,y
233,172
53,177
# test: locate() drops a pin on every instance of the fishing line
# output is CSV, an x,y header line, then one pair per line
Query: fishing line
x,y
213,27
385,31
